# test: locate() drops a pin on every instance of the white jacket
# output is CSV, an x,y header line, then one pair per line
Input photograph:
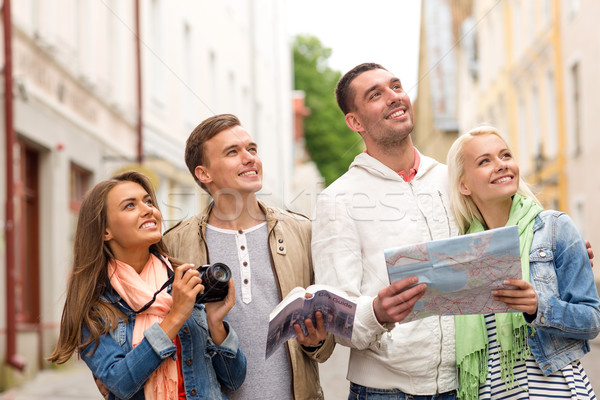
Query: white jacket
x,y
368,209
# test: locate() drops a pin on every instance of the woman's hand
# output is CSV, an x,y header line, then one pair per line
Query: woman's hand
x,y
216,312
186,286
522,298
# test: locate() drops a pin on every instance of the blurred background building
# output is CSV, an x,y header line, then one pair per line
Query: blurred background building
x,y
528,68
103,86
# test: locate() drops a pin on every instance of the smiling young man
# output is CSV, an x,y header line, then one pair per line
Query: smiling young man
x,y
391,196
267,249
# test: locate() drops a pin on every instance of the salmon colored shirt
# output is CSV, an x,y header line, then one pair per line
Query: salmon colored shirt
x,y
180,386
413,171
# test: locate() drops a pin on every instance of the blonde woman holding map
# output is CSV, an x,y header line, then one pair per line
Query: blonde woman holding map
x,y
535,351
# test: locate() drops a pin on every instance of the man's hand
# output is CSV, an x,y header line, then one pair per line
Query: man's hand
x,y
394,302
315,335
588,246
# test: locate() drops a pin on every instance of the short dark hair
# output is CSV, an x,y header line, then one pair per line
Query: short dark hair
x,y
343,94
194,146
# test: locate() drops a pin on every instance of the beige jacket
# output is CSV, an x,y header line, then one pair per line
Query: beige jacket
x,y
289,245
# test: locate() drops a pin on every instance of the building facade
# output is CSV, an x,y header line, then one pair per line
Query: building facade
x,y
526,67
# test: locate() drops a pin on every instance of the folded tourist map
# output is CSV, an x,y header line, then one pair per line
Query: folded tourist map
x,y
460,272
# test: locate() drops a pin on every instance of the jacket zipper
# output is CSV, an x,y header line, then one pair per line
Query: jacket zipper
x,y
437,376
440,318
420,210
446,212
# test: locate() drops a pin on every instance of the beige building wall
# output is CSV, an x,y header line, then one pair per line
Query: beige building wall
x,y
580,64
515,86
530,68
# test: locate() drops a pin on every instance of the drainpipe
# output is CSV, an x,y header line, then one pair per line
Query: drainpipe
x,y
138,61
12,358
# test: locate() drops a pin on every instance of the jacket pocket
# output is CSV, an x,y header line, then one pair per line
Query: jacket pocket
x,y
541,270
119,334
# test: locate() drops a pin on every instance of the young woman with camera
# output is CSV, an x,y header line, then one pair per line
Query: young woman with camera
x,y
142,338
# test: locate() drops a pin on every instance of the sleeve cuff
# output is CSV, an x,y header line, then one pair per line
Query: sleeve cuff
x,y
231,343
159,341
543,312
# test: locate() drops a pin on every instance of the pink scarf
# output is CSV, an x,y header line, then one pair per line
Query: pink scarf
x,y
137,290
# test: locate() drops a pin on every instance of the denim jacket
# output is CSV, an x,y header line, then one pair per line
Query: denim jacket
x,y
205,365
568,305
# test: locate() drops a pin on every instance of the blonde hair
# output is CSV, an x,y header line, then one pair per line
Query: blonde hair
x,y
463,208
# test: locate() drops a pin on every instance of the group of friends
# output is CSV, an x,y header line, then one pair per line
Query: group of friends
x,y
131,312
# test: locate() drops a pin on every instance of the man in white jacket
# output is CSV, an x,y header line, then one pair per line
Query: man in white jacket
x,y
392,195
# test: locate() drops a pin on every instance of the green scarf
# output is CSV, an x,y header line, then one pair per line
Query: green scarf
x,y
512,331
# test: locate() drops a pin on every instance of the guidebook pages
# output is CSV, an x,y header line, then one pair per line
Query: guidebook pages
x,y
337,309
460,272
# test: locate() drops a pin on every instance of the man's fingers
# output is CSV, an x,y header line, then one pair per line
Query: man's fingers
x,y
299,333
395,301
401,285
414,293
320,321
406,302
402,304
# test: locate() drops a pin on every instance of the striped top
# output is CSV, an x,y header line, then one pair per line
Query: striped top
x,y
571,382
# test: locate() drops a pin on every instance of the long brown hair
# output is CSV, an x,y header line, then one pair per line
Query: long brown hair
x,y
89,277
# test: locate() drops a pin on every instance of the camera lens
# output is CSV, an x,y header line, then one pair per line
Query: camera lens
x,y
215,279
220,273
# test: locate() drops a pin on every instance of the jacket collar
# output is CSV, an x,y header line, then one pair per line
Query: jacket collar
x,y
376,167
538,222
268,211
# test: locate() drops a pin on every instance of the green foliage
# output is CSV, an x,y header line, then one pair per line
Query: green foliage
x,y
331,145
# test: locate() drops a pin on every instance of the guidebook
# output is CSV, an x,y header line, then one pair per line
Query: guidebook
x,y
460,272
337,309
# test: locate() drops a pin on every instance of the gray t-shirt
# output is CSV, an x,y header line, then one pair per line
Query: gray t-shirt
x,y
247,255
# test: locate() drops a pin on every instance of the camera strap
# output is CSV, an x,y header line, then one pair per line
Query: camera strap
x,y
169,281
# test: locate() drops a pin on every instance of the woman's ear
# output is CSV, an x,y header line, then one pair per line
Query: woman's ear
x,y
202,174
107,235
464,189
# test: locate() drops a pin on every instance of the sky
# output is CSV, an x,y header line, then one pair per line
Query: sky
x,y
357,31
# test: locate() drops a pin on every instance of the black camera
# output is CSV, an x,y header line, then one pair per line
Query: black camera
x,y
215,279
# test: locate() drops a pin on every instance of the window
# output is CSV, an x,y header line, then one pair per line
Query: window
x,y
190,101
214,84
157,55
536,129
552,137
27,231
523,149
79,184
576,101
